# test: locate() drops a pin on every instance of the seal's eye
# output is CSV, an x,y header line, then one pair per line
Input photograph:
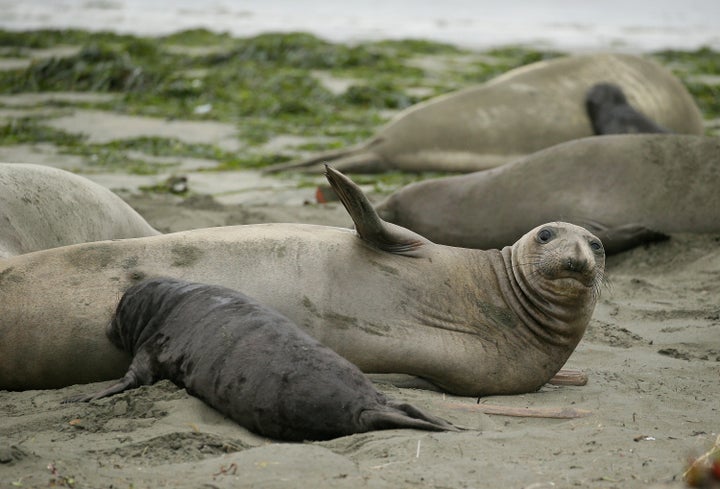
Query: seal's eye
x,y
596,246
544,235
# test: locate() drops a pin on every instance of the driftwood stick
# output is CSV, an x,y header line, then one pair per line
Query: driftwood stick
x,y
536,412
569,377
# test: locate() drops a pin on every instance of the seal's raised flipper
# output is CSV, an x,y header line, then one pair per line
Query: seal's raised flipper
x,y
401,415
623,237
373,230
360,160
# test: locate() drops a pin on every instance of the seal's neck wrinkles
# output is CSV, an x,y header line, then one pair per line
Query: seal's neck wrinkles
x,y
557,319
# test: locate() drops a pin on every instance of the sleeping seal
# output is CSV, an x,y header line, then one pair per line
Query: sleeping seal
x,y
43,207
518,113
249,362
627,189
470,322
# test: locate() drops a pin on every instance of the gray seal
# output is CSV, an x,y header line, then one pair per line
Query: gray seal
x,y
43,207
249,362
525,110
611,113
627,189
388,300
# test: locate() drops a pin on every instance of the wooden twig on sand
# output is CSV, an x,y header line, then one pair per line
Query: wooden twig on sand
x,y
569,377
537,412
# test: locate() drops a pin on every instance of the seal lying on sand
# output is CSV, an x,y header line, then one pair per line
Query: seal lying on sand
x,y
627,189
470,322
43,207
611,113
250,363
518,113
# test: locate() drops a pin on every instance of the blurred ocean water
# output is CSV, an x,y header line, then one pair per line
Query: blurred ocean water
x,y
573,25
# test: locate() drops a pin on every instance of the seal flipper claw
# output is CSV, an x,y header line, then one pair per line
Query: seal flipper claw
x,y
373,230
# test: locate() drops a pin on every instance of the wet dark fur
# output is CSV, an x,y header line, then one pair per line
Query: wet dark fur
x,y
610,113
249,362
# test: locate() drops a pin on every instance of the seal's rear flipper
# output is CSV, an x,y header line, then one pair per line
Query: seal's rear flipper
x,y
623,237
359,160
373,230
400,415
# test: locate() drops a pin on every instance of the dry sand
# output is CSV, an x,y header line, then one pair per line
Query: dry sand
x,y
652,354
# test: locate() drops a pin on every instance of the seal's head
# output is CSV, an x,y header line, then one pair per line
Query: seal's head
x,y
603,95
559,261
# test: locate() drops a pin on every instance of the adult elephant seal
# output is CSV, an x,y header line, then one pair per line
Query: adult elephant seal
x,y
470,322
627,189
43,207
518,113
249,362
611,113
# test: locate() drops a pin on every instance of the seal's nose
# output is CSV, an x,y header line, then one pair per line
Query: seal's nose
x,y
580,259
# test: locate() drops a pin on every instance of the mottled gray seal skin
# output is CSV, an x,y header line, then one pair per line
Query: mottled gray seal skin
x,y
525,110
611,113
249,362
627,189
388,300
43,207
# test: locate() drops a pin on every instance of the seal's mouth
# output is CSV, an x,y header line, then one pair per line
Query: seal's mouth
x,y
574,271
572,277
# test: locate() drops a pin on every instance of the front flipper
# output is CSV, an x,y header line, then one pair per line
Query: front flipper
x,y
625,237
139,373
373,230
127,382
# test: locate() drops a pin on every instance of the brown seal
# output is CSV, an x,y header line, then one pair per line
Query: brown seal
x,y
43,207
470,322
627,189
249,362
520,112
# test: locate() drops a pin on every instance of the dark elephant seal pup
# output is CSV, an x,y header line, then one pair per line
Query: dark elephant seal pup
x,y
249,362
43,207
627,189
468,321
611,113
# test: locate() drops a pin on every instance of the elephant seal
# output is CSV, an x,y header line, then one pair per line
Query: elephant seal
x,y
43,207
611,113
468,321
627,189
249,362
525,110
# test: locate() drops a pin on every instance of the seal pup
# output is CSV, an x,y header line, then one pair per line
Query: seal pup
x,y
43,207
470,322
626,189
520,112
249,362
611,113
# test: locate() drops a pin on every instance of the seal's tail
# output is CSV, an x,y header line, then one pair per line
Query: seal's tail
x,y
354,160
401,415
